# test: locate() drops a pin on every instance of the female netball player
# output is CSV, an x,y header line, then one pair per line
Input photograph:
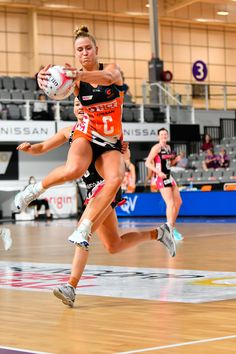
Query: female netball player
x,y
5,235
159,161
106,226
99,89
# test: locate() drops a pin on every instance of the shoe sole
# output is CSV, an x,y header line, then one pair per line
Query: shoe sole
x,y
174,253
64,299
174,245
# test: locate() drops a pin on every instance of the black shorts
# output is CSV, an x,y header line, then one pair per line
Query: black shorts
x,y
98,149
91,193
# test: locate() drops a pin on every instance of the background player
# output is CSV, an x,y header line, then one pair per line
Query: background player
x,y
159,161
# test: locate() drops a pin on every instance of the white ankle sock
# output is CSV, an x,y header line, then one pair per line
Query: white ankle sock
x,y
86,223
39,188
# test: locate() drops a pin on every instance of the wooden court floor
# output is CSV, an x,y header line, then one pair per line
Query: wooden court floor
x,y
169,306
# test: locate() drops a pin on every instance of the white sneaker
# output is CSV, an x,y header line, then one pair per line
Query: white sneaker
x,y
165,236
24,198
66,293
80,238
81,235
6,238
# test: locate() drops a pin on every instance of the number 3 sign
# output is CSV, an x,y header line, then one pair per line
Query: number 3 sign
x,y
199,70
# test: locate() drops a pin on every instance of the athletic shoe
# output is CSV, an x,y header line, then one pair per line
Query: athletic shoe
x,y
24,198
177,235
66,293
6,238
165,236
81,236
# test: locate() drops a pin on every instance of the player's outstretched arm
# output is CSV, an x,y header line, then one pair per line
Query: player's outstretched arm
x,y
50,144
109,75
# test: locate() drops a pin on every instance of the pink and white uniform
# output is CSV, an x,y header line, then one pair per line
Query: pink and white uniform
x,y
162,163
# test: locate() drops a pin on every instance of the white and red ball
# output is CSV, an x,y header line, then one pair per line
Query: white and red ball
x,y
59,86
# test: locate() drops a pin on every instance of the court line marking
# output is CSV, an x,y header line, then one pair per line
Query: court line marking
x,y
23,350
178,345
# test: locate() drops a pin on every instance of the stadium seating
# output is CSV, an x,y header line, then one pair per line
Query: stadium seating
x,y
148,115
7,83
127,114
14,112
5,96
17,95
28,95
31,83
19,83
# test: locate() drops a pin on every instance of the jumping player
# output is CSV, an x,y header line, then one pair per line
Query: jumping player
x,y
99,88
159,161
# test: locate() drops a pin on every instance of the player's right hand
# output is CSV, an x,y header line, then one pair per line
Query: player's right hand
x,y
162,175
24,146
42,76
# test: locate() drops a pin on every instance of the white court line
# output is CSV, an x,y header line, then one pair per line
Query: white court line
x,y
23,350
178,345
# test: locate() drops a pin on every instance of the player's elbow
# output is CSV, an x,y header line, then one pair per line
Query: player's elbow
x,y
110,78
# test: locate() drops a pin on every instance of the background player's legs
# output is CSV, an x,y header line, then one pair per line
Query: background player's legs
x,y
177,201
168,197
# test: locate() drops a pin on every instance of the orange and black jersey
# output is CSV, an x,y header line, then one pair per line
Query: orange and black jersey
x,y
102,106
90,95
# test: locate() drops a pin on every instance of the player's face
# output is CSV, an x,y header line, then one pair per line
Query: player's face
x,y
163,136
78,109
85,51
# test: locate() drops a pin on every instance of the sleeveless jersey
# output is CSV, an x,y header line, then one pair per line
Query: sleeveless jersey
x,y
162,162
102,106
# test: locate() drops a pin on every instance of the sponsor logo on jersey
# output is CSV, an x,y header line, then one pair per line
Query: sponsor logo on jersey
x,y
87,98
103,106
109,93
